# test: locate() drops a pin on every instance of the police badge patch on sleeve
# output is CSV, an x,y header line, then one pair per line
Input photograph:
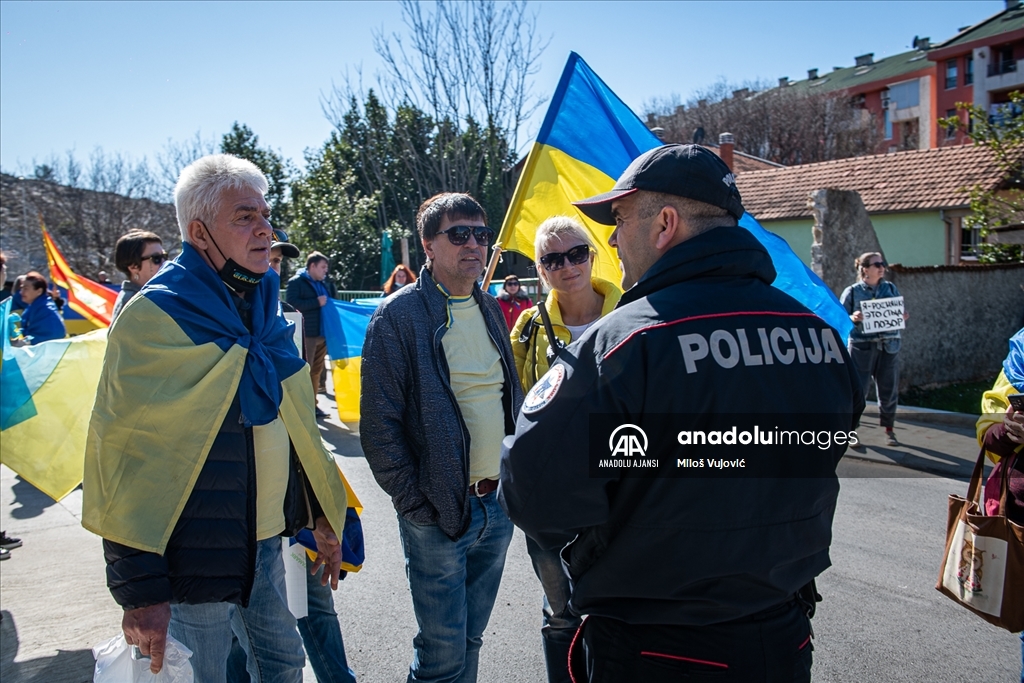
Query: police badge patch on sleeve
x,y
544,390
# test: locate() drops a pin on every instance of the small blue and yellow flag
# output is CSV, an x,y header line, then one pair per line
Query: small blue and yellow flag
x,y
345,325
588,138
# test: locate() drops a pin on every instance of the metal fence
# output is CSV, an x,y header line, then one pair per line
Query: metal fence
x,y
530,285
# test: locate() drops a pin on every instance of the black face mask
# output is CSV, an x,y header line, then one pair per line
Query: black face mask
x,y
238,278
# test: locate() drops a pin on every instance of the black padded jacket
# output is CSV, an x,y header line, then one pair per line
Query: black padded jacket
x,y
300,294
411,429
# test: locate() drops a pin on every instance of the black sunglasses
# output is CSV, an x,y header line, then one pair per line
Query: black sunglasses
x,y
876,264
157,259
459,234
512,282
556,260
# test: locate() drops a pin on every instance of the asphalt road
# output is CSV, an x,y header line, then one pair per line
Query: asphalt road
x,y
882,619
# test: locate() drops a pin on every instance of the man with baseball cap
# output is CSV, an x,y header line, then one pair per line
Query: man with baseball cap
x,y
281,249
691,538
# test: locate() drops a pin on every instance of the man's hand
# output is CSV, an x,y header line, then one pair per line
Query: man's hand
x,y
857,317
1014,424
328,553
322,299
147,628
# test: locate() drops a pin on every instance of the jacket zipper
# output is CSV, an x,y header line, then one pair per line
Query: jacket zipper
x,y
458,411
250,511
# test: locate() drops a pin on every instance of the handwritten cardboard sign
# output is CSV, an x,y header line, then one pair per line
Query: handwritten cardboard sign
x,y
883,315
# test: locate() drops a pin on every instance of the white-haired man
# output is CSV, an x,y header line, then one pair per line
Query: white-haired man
x,y
203,446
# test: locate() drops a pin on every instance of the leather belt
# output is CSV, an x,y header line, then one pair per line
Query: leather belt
x,y
483,487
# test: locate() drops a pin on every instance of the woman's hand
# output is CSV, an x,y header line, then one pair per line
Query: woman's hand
x,y
1014,424
857,316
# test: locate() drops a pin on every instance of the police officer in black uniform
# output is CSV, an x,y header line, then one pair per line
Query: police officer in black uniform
x,y
682,453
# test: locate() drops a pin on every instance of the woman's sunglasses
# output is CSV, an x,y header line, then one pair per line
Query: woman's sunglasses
x,y
556,260
157,259
459,234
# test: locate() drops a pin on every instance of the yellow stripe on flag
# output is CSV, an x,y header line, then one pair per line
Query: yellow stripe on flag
x,y
48,449
345,373
550,182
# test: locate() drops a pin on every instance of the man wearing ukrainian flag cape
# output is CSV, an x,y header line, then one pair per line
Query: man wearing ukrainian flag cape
x,y
203,446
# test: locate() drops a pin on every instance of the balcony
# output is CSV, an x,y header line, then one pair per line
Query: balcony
x,y
1000,68
1003,75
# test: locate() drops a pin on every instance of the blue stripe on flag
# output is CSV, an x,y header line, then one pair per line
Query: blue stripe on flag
x,y
586,120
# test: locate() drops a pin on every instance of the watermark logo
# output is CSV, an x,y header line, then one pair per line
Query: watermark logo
x,y
629,441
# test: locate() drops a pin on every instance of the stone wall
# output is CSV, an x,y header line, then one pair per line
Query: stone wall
x,y
84,224
842,231
960,320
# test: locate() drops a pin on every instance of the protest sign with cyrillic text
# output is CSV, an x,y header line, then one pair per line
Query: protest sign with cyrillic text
x,y
883,315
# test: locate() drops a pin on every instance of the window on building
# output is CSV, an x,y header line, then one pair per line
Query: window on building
x,y
887,122
1002,61
950,130
909,134
968,69
906,94
951,74
969,239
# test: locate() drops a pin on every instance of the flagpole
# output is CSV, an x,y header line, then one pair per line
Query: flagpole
x,y
492,266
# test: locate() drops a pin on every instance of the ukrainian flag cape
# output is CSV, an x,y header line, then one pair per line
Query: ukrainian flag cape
x,y
176,357
1010,381
588,138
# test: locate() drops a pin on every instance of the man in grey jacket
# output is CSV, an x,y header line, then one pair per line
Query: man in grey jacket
x,y
439,393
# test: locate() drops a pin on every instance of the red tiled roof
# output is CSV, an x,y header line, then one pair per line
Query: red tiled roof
x,y
901,181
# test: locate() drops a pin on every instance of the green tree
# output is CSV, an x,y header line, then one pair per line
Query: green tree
x,y
330,214
242,142
1003,135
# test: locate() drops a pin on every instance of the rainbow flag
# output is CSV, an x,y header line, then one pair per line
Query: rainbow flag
x,y
345,325
89,299
46,396
588,138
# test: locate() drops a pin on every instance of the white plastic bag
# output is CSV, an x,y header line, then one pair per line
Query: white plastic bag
x,y
117,662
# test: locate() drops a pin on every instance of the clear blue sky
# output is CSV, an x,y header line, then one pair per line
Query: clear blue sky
x,y
127,76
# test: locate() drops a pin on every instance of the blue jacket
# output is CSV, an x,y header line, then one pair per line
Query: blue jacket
x,y
411,428
41,322
856,293
701,342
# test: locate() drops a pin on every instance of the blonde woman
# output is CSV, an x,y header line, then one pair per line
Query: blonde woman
x,y
565,256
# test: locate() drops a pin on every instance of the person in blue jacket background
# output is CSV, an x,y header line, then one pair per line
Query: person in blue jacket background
x,y
40,320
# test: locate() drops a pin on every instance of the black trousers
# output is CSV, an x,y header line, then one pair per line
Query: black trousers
x,y
772,647
872,361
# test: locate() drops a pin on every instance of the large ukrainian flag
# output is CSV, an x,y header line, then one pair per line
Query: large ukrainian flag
x,y
588,138
46,396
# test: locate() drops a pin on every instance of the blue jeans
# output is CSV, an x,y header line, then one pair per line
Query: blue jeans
x,y
265,628
321,636
453,586
321,633
559,625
